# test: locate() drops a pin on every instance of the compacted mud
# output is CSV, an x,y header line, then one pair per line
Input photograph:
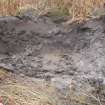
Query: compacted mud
x,y
38,47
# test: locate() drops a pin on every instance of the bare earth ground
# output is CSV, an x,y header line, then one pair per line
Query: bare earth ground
x,y
68,57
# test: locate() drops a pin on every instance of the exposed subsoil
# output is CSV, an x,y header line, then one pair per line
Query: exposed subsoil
x,y
41,48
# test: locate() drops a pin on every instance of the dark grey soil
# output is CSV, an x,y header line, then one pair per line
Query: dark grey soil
x,y
38,47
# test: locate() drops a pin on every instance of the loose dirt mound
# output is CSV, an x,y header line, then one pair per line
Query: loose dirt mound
x,y
38,47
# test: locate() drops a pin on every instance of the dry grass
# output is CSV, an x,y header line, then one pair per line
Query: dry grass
x,y
8,7
17,94
82,8
76,8
27,92
3,74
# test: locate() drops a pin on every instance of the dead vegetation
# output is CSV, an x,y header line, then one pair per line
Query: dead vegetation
x,y
75,8
17,94
28,92
13,92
